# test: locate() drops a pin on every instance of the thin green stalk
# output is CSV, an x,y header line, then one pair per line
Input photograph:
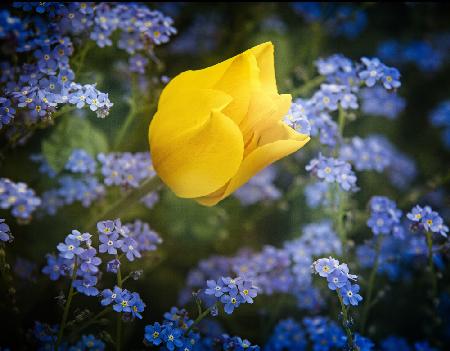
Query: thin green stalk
x,y
345,322
306,88
341,120
368,301
66,307
124,203
201,317
339,213
119,316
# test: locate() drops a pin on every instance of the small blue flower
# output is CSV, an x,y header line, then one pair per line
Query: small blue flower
x,y
130,248
5,233
337,279
109,243
153,334
173,337
110,296
231,301
350,294
215,288
70,248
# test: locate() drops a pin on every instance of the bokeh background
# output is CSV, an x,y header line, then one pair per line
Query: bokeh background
x,y
414,37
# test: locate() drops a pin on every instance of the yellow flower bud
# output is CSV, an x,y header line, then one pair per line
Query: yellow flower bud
x,y
217,127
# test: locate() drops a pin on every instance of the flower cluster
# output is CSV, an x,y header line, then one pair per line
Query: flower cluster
x,y
81,162
339,279
333,170
78,258
385,217
125,169
273,270
259,188
427,55
424,218
376,101
346,20
5,232
318,332
123,301
342,71
376,153
46,337
231,292
440,117
18,197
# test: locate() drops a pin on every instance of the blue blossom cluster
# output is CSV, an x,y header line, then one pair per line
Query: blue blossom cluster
x,y
305,117
346,20
18,197
385,217
34,91
395,343
78,258
5,232
339,279
333,170
317,194
45,335
313,333
376,153
273,270
231,292
125,169
83,185
350,76
377,101
427,55
440,117
259,188
176,332
123,301
424,218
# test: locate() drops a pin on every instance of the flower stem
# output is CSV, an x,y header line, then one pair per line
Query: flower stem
x,y
90,322
126,201
119,316
341,120
66,307
306,88
368,302
201,317
345,322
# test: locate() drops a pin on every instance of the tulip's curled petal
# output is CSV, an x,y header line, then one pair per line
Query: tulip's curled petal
x,y
265,110
260,158
265,57
184,112
240,80
201,161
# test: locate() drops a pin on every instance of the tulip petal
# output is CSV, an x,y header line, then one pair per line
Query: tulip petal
x,y
265,57
260,158
173,118
240,81
203,160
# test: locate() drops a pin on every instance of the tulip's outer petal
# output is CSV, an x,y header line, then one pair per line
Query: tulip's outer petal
x,y
272,150
208,77
240,81
265,57
183,113
201,161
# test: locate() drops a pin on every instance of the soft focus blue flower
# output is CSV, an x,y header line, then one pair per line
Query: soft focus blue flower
x,y
80,162
70,248
19,197
259,188
337,279
5,232
376,101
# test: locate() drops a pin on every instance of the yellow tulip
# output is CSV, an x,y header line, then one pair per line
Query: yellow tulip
x,y
217,127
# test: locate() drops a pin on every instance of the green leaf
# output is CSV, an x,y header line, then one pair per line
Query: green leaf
x,y
72,133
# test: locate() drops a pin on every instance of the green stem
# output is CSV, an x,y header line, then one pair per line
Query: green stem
x,y
119,316
67,306
368,301
201,317
341,120
345,322
124,203
306,88
340,215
